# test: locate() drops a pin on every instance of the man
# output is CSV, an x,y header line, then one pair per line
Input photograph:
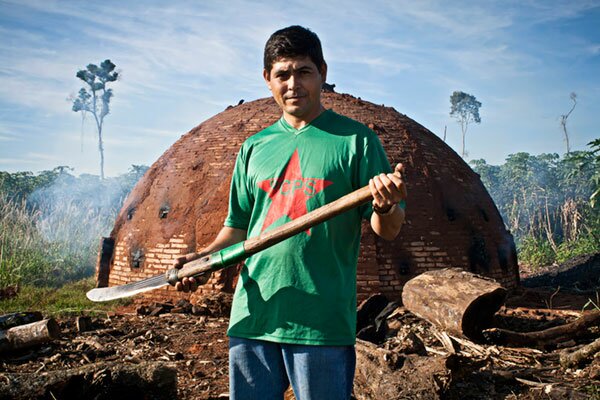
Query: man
x,y
294,310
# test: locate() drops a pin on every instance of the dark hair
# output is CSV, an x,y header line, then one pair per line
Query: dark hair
x,y
291,42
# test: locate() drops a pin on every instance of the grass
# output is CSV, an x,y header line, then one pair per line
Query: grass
x,y
48,247
64,301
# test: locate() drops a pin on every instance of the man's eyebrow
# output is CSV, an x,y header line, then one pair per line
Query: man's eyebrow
x,y
281,70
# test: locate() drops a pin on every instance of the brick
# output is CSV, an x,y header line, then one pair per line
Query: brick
x,y
172,251
420,254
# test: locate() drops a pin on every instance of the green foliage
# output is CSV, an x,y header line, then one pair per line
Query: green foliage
x,y
536,252
589,167
545,202
66,300
585,245
19,185
50,229
26,255
464,107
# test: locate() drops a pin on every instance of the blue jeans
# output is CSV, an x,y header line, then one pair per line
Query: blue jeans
x,y
260,370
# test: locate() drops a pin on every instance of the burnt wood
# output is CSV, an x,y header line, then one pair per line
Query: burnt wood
x,y
550,336
7,321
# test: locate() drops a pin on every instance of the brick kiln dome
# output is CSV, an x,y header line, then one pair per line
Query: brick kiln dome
x,y
181,202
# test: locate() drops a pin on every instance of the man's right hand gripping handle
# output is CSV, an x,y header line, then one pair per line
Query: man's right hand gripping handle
x,y
190,284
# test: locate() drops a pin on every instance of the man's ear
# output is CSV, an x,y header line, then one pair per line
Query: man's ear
x,y
267,78
324,72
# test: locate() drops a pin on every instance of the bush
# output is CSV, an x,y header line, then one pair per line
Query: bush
x,y
535,252
568,250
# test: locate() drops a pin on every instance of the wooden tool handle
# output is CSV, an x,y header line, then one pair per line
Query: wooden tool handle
x,y
233,254
300,224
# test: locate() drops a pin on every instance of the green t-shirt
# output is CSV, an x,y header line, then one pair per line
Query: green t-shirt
x,y
302,290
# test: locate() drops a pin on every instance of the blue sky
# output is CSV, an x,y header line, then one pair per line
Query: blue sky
x,y
184,61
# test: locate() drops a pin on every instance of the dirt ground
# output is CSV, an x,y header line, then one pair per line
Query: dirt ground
x,y
180,352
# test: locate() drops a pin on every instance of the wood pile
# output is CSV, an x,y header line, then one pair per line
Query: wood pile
x,y
423,351
179,350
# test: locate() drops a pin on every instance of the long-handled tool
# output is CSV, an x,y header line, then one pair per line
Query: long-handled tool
x,y
233,254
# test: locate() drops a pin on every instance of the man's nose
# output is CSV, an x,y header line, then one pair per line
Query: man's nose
x,y
293,82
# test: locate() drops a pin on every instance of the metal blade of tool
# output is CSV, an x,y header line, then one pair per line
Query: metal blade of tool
x,y
238,252
130,289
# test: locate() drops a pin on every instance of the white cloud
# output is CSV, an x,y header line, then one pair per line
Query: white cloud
x,y
594,49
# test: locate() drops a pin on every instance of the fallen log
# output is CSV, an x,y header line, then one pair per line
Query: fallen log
x,y
577,357
459,302
550,336
7,321
23,336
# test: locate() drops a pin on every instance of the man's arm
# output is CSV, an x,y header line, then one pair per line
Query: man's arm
x,y
226,237
388,190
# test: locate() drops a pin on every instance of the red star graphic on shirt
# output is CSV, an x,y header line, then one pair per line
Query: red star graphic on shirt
x,y
290,192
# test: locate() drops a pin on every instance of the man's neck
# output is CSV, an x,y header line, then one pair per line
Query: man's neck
x,y
299,123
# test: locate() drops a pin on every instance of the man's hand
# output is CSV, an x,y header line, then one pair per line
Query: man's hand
x,y
226,237
388,189
190,284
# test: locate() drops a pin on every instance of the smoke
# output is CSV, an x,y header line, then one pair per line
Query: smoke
x,y
74,212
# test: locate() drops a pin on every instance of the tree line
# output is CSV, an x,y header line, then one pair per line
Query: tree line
x,y
548,202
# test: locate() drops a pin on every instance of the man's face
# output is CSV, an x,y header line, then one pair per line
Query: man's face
x,y
296,86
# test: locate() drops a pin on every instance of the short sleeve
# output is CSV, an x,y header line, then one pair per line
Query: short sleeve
x,y
240,199
373,162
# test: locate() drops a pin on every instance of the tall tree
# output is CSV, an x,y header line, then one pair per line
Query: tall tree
x,y
96,98
563,120
465,108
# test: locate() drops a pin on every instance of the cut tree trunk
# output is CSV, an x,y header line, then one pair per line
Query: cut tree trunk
x,y
23,336
550,336
457,301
